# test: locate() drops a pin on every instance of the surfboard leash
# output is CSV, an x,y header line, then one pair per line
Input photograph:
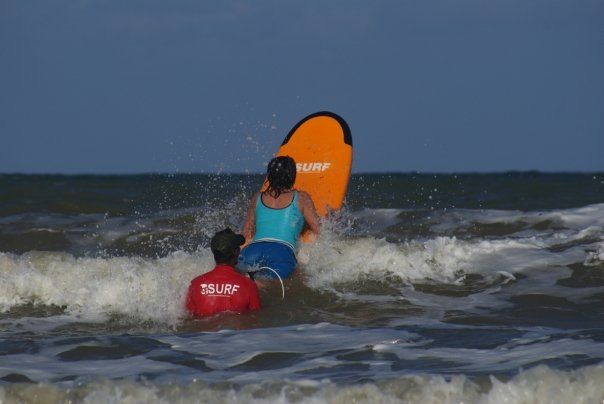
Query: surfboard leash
x,y
280,280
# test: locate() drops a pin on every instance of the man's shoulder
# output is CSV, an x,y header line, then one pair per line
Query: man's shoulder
x,y
240,277
236,276
246,279
228,274
248,282
204,276
223,271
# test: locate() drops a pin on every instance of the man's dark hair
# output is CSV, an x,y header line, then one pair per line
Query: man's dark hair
x,y
281,175
221,259
225,246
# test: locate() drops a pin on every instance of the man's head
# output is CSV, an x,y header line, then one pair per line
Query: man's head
x,y
281,174
225,246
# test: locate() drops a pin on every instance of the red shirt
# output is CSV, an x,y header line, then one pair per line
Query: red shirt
x,y
222,289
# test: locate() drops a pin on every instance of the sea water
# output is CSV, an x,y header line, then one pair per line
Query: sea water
x,y
424,288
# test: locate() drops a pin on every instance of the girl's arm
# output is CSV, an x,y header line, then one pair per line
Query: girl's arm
x,y
307,207
249,226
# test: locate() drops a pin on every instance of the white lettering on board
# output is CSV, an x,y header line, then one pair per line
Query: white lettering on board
x,y
314,167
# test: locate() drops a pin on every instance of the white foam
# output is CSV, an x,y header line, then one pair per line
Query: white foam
x,y
565,225
545,385
374,219
596,257
154,289
334,259
145,289
538,385
574,218
579,218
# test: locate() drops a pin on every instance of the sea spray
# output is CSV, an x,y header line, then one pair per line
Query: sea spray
x,y
134,287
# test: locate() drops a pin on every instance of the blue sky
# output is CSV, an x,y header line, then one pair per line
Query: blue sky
x,y
95,86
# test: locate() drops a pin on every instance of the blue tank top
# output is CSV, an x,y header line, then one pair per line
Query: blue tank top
x,y
282,225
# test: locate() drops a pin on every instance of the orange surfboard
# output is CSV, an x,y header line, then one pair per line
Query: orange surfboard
x,y
321,145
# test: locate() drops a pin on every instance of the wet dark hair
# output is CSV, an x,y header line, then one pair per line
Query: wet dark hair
x,y
281,175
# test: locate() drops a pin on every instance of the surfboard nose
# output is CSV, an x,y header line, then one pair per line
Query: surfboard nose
x,y
321,145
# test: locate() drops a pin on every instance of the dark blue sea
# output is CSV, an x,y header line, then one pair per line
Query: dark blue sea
x,y
473,288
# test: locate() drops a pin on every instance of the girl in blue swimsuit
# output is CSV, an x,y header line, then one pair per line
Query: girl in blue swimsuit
x,y
274,222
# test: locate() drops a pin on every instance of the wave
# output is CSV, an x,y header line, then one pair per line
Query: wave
x,y
537,385
596,257
444,259
133,287
153,289
478,222
355,257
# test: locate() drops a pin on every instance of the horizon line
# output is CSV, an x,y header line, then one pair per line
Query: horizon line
x,y
414,172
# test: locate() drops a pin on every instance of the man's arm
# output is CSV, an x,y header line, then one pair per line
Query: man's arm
x,y
307,207
254,296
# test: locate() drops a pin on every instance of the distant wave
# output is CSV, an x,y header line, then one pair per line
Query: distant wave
x,y
537,385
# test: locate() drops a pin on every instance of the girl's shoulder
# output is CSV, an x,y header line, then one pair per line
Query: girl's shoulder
x,y
255,197
303,196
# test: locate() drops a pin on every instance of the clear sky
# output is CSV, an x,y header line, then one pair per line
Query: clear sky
x,y
124,86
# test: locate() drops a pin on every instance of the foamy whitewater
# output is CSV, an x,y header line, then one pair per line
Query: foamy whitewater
x,y
427,289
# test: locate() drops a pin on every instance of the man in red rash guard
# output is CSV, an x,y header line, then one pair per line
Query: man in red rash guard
x,y
223,288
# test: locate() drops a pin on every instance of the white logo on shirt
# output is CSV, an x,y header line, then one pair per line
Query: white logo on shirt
x,y
219,289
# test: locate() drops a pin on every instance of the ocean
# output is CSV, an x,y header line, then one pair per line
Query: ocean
x,y
425,288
